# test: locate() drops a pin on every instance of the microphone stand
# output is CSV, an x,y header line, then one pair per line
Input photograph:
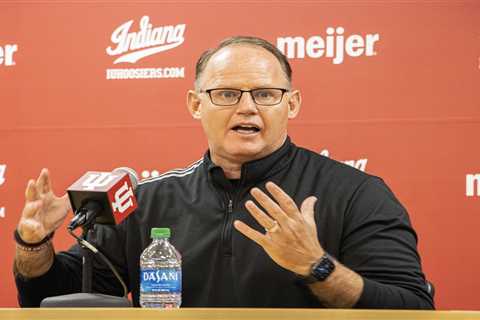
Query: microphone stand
x,y
87,261
88,299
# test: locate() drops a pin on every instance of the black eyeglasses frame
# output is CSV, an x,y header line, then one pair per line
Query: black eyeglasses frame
x,y
208,91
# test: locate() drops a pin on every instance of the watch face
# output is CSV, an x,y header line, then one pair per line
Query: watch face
x,y
323,268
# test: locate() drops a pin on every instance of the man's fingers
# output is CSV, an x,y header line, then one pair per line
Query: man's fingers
x,y
262,218
31,191
31,208
308,208
272,208
43,182
283,199
250,233
66,200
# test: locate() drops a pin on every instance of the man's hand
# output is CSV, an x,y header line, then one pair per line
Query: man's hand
x,y
291,241
291,238
44,212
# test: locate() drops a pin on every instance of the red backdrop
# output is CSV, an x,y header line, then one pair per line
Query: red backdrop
x,y
407,109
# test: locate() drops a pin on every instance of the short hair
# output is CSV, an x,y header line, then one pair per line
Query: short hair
x,y
248,40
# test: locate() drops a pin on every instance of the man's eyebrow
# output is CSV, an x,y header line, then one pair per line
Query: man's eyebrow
x,y
246,89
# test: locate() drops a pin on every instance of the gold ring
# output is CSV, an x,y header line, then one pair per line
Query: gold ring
x,y
273,228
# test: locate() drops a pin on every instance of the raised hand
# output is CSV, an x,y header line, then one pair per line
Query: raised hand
x,y
44,212
291,234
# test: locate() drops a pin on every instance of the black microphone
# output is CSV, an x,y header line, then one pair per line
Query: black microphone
x,y
97,197
103,197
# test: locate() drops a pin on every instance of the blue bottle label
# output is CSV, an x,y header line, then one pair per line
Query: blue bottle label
x,y
168,280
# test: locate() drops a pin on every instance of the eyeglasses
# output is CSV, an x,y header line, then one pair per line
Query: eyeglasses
x,y
261,96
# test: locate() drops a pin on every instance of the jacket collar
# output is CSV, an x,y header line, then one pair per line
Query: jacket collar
x,y
253,171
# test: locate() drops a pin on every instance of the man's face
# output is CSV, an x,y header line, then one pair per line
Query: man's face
x,y
244,131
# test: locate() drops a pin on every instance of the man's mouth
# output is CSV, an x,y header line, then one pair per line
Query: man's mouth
x,y
246,129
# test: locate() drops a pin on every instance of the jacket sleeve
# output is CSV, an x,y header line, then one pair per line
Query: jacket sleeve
x,y
380,244
65,275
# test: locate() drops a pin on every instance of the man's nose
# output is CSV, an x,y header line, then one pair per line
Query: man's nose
x,y
247,104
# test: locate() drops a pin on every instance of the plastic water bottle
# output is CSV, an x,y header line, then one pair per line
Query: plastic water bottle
x,y
160,272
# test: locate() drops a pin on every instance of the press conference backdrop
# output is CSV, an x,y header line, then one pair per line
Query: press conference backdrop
x,y
389,87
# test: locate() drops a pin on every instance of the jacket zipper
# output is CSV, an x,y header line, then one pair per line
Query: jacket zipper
x,y
227,228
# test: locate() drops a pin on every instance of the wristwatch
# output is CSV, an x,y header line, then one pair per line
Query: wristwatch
x,y
320,270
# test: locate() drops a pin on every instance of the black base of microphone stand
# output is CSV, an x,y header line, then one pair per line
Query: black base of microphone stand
x,y
86,299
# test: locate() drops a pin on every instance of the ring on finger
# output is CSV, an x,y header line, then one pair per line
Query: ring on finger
x,y
273,228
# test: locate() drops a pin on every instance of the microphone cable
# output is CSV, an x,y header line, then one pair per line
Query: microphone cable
x,y
90,247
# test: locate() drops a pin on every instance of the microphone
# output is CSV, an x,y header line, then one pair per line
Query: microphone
x,y
97,197
103,197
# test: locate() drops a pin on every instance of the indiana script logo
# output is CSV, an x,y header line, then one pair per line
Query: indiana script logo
x,y
133,46
360,164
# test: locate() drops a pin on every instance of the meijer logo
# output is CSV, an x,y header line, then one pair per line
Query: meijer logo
x,y
334,45
123,198
473,185
133,46
6,54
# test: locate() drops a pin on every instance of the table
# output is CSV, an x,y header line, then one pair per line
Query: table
x,y
227,313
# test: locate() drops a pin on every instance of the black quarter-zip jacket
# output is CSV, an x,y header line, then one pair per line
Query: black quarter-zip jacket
x,y
359,222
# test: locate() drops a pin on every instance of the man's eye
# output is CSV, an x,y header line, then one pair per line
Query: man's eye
x,y
263,94
228,94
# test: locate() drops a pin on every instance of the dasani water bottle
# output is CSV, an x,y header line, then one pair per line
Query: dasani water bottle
x,y
160,272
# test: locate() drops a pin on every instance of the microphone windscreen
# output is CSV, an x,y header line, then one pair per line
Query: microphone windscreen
x,y
131,173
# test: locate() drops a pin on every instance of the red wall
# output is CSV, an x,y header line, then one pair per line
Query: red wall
x,y
410,109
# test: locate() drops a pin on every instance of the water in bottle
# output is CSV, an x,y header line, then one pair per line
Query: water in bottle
x,y
160,272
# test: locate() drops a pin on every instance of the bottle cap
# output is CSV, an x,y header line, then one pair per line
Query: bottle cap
x,y
160,233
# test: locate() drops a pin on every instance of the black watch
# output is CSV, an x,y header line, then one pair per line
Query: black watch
x,y
320,270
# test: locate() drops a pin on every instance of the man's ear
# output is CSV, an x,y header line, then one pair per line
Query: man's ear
x,y
194,105
294,104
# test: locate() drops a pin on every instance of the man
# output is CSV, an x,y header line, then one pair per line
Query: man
x,y
259,221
